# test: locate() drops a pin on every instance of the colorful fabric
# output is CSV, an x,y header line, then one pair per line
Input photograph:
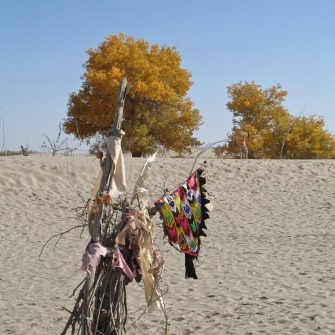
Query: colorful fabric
x,y
184,212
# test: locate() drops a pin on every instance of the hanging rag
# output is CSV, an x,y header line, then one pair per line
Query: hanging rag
x,y
117,173
184,213
92,257
118,184
141,235
119,262
141,241
140,192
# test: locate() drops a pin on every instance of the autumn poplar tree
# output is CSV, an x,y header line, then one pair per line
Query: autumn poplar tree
x,y
259,119
157,112
309,140
267,128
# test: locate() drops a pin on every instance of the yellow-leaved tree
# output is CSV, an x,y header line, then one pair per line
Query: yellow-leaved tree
x,y
269,131
308,139
259,119
157,112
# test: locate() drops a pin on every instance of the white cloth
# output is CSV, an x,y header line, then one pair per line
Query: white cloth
x,y
140,190
145,259
144,231
118,184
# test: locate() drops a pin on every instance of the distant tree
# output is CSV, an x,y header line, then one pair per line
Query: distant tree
x,y
157,111
266,128
308,139
3,134
57,146
259,118
220,150
24,151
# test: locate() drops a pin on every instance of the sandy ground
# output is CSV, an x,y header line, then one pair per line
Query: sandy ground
x,y
266,267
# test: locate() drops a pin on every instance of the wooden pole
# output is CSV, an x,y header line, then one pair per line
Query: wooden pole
x,y
107,174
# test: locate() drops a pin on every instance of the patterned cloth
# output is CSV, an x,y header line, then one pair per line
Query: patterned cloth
x,y
184,212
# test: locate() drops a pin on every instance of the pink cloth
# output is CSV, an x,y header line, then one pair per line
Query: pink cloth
x,y
92,257
119,262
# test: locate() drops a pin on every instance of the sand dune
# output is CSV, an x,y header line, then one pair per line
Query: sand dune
x,y
266,267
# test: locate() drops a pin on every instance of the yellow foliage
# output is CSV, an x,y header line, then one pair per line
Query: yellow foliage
x,y
157,111
257,113
308,139
269,130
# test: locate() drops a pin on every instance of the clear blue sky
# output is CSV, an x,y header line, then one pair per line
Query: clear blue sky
x,y
44,43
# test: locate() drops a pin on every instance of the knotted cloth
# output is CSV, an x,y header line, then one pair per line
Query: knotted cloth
x,y
92,257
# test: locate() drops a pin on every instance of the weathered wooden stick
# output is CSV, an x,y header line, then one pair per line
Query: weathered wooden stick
x,y
116,127
107,174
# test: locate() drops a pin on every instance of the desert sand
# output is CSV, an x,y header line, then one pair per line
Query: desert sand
x,y
267,265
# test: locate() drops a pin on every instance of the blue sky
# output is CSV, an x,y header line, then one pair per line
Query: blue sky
x,y
44,43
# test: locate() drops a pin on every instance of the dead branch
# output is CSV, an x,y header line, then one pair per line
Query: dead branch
x,y
58,145
3,134
59,235
203,150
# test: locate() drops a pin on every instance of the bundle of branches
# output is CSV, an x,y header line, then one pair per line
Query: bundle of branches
x,y
101,305
102,309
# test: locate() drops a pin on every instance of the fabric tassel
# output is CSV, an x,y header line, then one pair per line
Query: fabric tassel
x,y
189,267
205,216
202,179
206,201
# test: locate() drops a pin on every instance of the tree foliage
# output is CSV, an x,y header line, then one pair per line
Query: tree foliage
x,y
269,131
157,112
308,139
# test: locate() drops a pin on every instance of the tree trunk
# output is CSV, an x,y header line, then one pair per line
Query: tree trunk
x,y
244,150
136,154
282,150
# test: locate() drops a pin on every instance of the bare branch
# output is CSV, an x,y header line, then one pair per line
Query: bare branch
x,y
61,235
